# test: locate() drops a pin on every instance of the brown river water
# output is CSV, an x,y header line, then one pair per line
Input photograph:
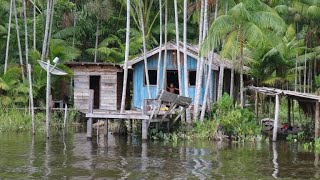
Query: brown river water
x,y
68,155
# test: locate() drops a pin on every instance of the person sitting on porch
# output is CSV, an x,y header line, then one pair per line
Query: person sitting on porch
x,y
172,89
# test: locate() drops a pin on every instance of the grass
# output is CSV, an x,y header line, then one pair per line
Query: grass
x,y
19,120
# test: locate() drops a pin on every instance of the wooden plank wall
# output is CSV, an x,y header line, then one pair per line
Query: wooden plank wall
x,y
108,95
109,89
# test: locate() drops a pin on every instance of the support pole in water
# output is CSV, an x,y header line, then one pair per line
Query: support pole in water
x,y
31,106
257,105
65,115
276,118
144,129
316,121
106,128
90,110
48,99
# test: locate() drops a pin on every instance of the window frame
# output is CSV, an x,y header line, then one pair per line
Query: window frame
x,y
144,77
191,70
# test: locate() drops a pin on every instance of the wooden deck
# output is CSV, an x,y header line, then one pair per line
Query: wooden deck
x,y
129,114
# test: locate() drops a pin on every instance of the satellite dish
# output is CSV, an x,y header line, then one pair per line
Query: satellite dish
x,y
53,69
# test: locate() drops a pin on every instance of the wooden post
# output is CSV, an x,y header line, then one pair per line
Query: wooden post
x,y
263,105
316,119
276,118
65,115
289,111
144,129
31,98
90,110
106,128
48,99
257,105
130,126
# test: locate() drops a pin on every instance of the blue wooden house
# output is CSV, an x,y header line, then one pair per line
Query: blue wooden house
x,y
140,91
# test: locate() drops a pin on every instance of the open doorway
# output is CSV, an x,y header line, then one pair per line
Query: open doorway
x,y
172,78
95,86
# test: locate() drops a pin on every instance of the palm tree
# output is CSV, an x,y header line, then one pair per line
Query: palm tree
x,y
8,39
46,31
125,76
18,38
178,46
211,56
249,19
202,34
185,57
165,45
102,10
160,47
144,49
34,25
25,31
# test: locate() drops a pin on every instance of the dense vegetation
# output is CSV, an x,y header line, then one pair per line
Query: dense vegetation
x,y
277,39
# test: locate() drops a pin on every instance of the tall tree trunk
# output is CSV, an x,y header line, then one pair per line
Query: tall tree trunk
x,y
220,82
50,28
18,38
305,72
178,46
160,49
164,75
232,81
296,74
241,69
46,31
8,39
25,31
211,57
126,58
34,25
185,57
199,65
144,50
97,40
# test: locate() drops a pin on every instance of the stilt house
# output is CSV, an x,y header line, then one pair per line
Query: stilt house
x,y
168,73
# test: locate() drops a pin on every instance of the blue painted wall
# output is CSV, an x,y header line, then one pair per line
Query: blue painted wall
x,y
140,91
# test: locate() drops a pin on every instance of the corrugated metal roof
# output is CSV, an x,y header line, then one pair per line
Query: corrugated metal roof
x,y
192,50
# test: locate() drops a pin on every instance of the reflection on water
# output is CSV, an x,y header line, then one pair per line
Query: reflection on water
x,y
275,160
68,155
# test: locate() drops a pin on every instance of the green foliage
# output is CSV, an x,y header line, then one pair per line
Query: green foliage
x,y
296,137
204,130
12,119
235,121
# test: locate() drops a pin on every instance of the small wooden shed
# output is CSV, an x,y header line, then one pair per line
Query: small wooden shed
x,y
105,79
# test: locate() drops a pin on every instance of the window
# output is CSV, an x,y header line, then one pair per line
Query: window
x,y
152,77
192,78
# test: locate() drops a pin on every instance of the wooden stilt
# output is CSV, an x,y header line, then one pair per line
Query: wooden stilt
x,y
263,109
276,118
48,99
65,115
257,105
289,111
106,128
144,129
316,119
130,126
31,105
90,110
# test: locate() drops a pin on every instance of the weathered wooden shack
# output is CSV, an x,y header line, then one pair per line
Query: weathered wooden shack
x,y
140,91
105,79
